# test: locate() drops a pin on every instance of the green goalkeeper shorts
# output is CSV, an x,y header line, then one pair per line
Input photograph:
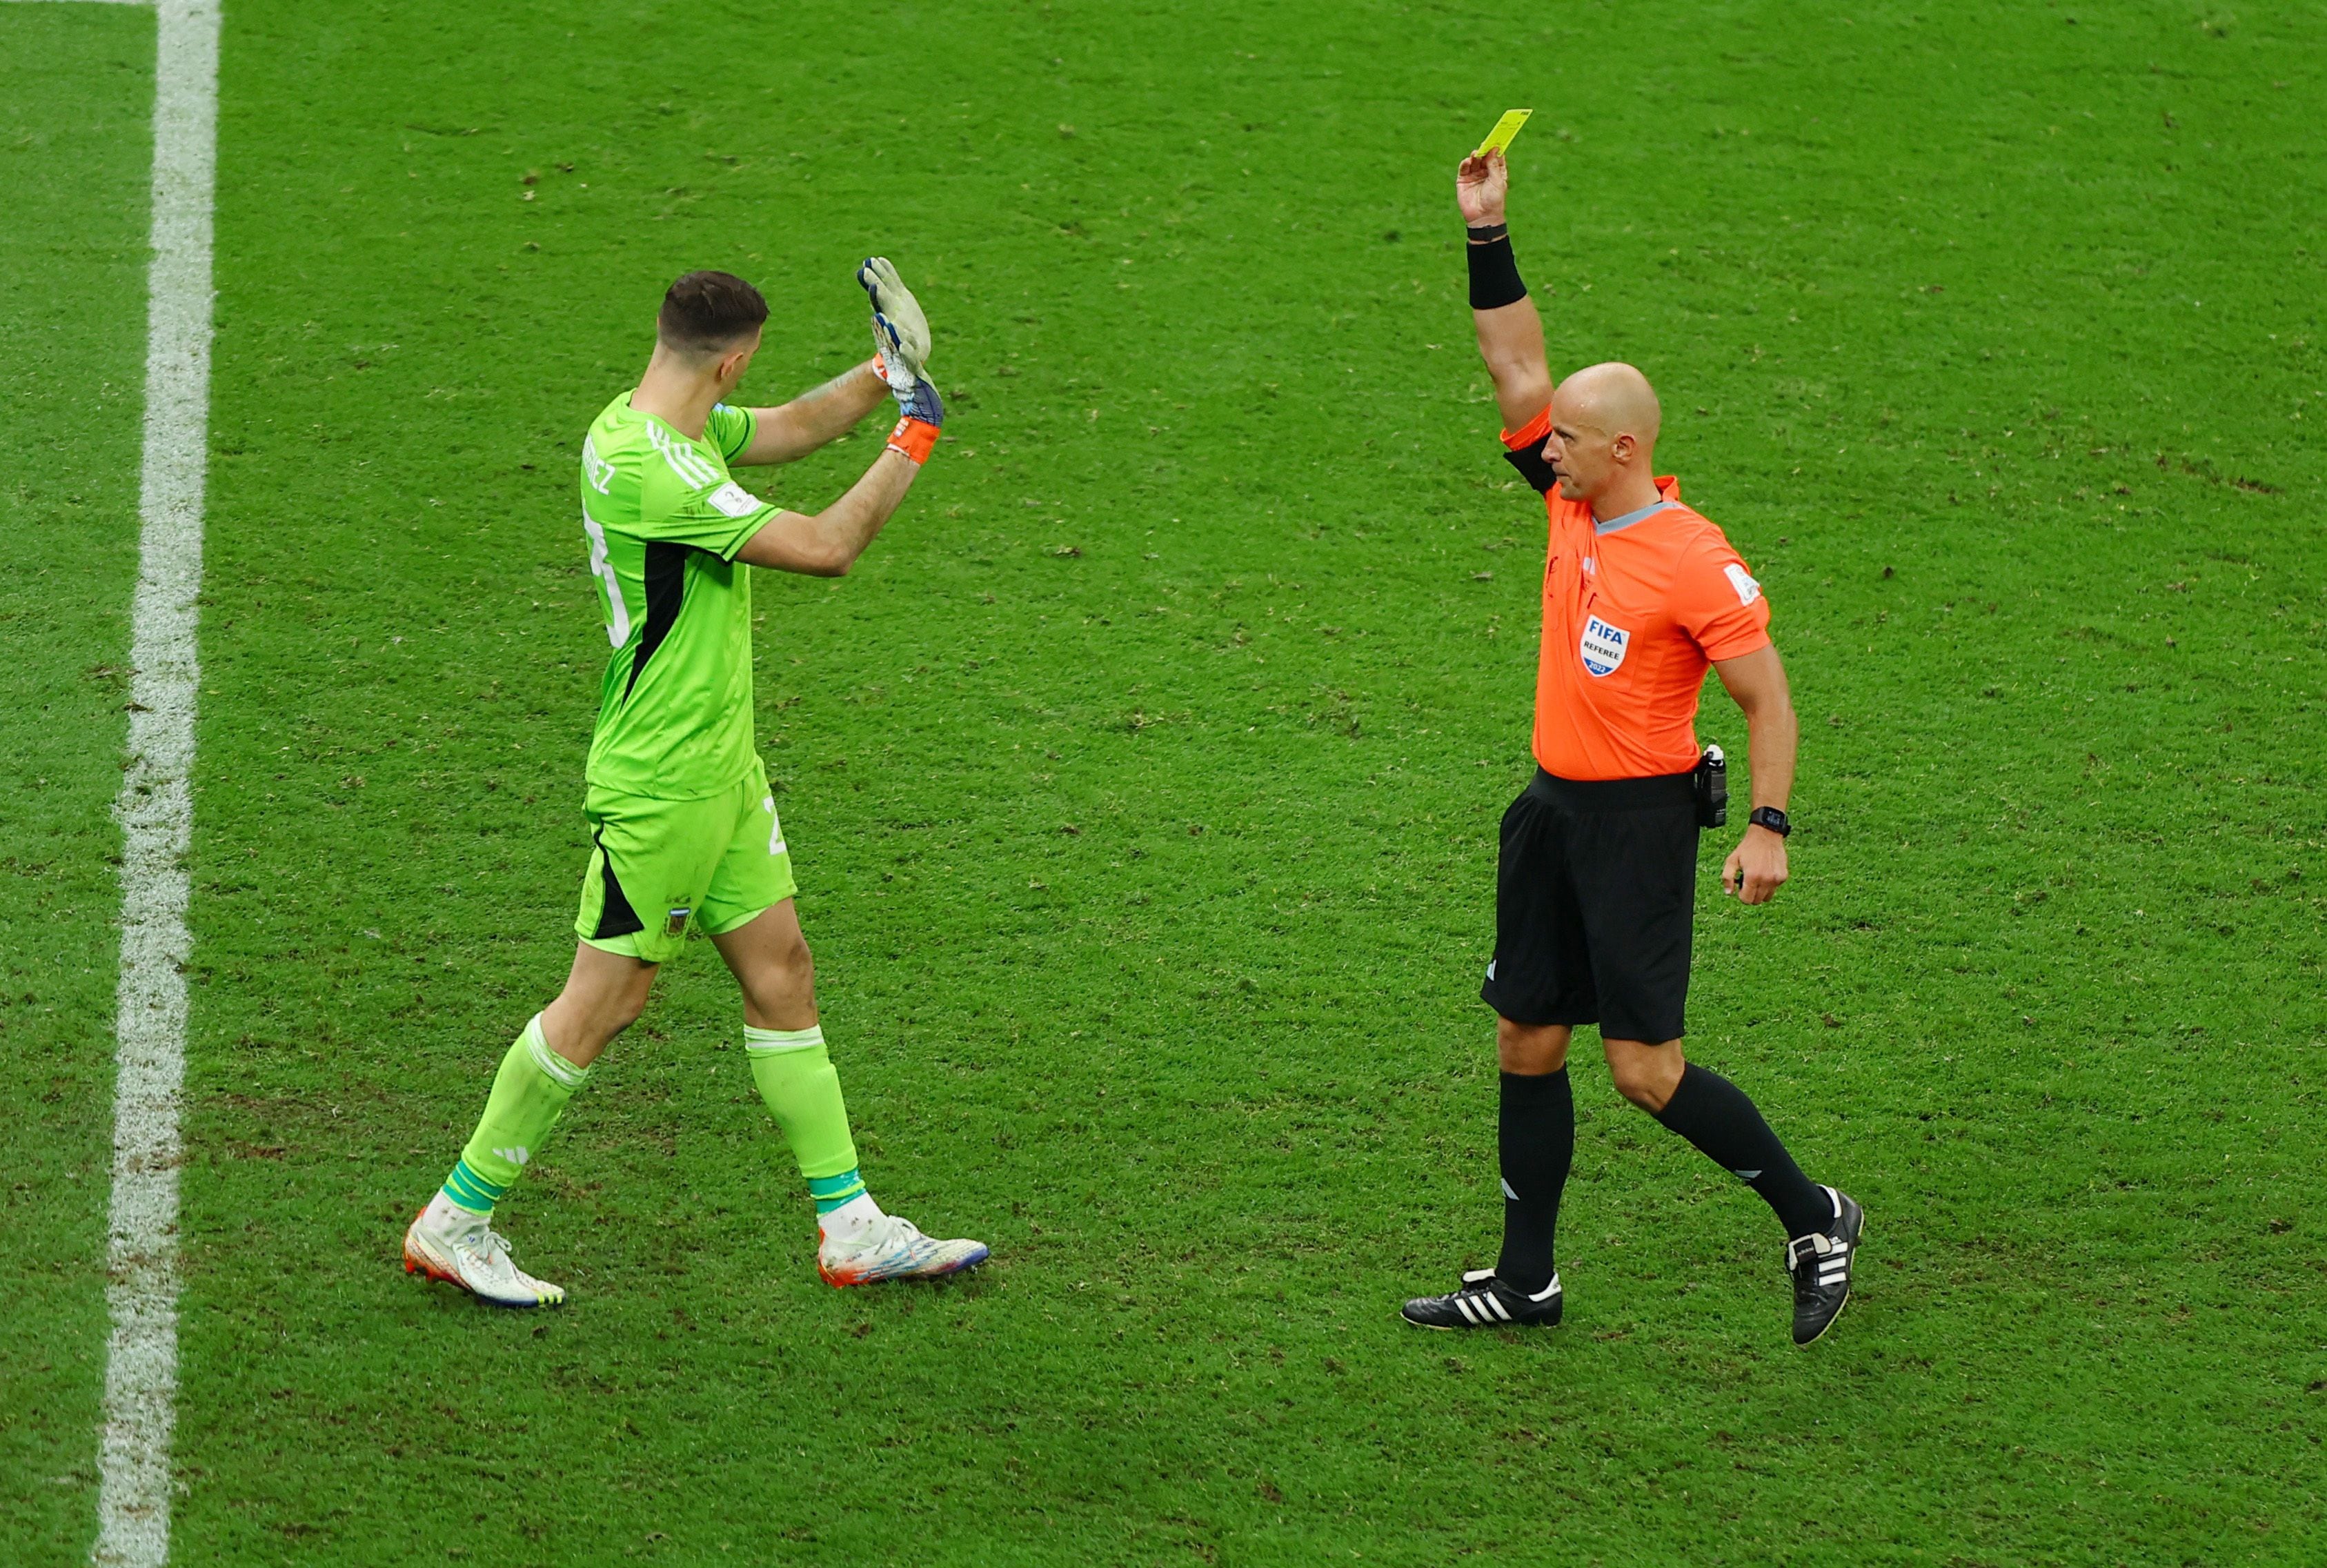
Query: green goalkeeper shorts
x,y
661,868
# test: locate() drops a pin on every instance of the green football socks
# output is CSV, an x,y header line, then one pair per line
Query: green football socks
x,y
791,1067
528,1092
796,1078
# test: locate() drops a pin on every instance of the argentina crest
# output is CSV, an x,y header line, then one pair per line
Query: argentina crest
x,y
1602,646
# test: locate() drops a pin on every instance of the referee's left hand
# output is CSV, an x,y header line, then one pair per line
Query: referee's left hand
x,y
1756,868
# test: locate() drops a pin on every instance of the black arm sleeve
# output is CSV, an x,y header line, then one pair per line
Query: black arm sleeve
x,y
1528,461
1494,271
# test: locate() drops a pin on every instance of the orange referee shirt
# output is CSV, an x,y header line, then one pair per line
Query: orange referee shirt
x,y
1634,610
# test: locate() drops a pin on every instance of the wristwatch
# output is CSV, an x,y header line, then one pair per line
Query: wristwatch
x,y
1770,817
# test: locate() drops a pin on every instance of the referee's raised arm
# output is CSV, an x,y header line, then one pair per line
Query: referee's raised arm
x,y
1511,333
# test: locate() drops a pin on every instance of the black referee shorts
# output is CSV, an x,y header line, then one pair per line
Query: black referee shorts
x,y
1594,895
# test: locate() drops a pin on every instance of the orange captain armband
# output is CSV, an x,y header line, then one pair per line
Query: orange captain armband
x,y
915,438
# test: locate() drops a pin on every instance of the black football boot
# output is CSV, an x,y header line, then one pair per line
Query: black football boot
x,y
1485,1301
1820,1264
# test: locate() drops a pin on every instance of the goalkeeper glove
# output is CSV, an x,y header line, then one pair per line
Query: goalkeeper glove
x,y
900,333
901,342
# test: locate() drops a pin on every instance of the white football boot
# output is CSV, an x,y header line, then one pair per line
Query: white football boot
x,y
446,1242
891,1247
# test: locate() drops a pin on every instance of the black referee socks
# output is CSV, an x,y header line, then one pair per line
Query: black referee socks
x,y
1536,1135
1715,1116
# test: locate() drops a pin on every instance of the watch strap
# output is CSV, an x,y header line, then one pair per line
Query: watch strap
x,y
1770,817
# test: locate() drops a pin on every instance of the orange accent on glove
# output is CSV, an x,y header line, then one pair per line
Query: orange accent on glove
x,y
880,366
915,438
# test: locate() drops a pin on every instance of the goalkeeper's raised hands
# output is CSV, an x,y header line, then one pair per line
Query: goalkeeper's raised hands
x,y
900,336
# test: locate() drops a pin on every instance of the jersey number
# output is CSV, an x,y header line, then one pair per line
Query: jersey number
x,y
618,614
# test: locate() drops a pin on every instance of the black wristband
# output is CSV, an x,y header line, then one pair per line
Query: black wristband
x,y
1770,817
1481,233
1494,274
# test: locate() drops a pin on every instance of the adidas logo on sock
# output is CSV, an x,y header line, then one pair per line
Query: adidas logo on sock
x,y
517,1156
1746,1175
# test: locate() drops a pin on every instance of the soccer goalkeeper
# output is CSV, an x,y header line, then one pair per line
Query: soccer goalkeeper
x,y
683,828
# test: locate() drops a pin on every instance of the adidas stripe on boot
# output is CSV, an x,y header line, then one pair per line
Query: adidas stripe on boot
x,y
1485,1301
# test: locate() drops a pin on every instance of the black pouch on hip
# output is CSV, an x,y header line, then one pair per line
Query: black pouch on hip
x,y
1712,780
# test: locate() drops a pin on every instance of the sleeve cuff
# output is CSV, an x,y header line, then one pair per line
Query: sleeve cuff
x,y
1739,646
735,546
1534,433
742,424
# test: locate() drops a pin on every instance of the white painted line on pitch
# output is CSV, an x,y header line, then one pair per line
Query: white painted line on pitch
x,y
156,804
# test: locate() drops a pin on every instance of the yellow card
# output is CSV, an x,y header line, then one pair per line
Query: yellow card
x,y
1505,129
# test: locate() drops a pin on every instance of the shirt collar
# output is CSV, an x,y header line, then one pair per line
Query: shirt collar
x,y
1628,518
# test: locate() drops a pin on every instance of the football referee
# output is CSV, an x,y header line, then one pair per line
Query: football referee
x,y
1595,888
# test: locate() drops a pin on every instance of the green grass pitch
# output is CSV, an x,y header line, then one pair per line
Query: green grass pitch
x,y
1143,782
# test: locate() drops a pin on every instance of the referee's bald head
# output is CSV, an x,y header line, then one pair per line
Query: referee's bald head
x,y
1611,399
1604,432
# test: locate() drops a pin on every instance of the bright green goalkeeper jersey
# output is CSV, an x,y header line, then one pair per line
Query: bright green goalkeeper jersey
x,y
664,521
